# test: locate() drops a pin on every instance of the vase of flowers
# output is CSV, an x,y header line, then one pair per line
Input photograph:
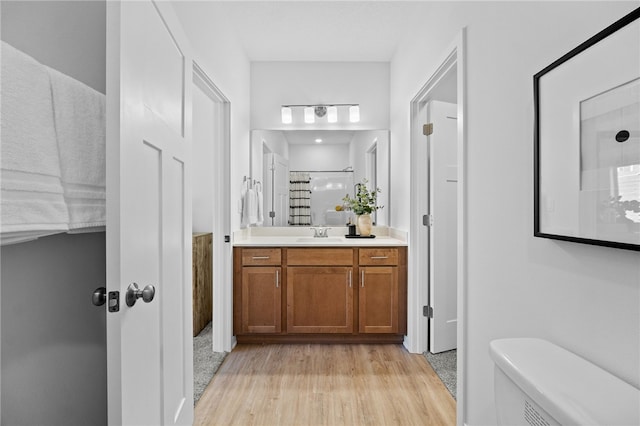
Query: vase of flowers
x,y
363,204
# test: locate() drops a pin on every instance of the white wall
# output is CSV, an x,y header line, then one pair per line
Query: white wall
x,y
275,142
318,157
203,173
360,144
274,84
54,367
584,298
223,59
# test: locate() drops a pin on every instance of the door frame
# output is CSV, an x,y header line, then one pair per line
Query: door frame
x,y
453,56
222,315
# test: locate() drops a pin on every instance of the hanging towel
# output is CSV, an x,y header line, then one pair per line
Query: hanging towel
x,y
260,202
80,125
31,193
252,206
244,213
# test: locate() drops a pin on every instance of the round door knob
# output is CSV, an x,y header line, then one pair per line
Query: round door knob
x,y
99,296
134,293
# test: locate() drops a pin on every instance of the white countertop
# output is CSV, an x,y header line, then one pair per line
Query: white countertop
x,y
303,237
280,241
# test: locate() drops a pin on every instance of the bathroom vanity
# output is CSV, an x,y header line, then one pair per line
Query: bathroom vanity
x,y
305,289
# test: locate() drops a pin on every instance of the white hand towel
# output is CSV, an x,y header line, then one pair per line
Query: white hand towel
x,y
80,124
252,206
244,213
31,190
260,202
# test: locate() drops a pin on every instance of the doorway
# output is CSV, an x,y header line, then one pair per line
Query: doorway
x,y
446,84
210,192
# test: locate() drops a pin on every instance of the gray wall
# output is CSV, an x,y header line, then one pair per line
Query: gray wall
x,y
53,345
69,36
54,361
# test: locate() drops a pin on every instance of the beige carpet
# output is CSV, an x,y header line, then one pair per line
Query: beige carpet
x,y
205,362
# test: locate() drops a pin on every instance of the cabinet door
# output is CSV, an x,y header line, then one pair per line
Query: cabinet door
x,y
378,299
319,299
261,299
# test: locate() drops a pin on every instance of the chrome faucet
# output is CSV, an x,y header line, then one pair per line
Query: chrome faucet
x,y
320,232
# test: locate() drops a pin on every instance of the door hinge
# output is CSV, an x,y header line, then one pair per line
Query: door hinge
x,y
427,129
427,311
227,238
427,220
114,301
272,214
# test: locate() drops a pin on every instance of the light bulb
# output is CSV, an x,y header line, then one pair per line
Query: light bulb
x,y
354,113
287,117
309,116
332,114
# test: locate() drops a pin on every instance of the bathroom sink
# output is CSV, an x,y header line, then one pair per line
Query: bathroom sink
x,y
319,240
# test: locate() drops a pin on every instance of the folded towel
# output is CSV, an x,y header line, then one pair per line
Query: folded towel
x,y
80,125
31,193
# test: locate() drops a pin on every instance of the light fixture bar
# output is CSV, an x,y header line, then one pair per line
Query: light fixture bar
x,y
311,111
317,105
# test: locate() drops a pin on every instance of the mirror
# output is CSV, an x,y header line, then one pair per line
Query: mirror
x,y
304,174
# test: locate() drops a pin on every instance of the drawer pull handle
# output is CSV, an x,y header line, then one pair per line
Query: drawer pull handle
x,y
277,278
379,257
260,257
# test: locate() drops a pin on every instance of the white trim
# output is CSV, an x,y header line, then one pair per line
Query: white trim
x,y
222,323
417,326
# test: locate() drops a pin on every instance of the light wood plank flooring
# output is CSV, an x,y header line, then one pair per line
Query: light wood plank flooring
x,y
301,384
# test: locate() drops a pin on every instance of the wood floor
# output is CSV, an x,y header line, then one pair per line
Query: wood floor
x,y
300,384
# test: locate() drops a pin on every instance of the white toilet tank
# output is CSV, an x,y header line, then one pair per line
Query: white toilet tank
x,y
538,383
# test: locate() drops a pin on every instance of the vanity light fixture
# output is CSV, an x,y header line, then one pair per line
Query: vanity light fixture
x,y
308,115
318,140
354,113
320,111
287,115
332,114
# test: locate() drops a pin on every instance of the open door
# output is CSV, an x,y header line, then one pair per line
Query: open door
x,y
443,186
149,347
277,189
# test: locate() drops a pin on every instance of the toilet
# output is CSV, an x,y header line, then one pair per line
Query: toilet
x,y
538,383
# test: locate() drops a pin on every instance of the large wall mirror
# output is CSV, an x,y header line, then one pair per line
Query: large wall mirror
x,y
304,174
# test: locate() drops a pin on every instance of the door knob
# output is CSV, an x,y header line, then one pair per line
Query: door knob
x,y
99,296
134,293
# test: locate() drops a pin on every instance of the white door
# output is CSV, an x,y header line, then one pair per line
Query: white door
x,y
277,192
149,345
281,190
443,185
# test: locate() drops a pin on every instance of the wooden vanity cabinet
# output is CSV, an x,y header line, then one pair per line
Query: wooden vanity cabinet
x,y
260,292
328,294
378,302
320,290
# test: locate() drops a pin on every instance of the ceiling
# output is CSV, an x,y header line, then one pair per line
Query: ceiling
x,y
308,30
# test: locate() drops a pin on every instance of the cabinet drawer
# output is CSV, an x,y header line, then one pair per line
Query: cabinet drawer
x,y
320,256
378,256
261,256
